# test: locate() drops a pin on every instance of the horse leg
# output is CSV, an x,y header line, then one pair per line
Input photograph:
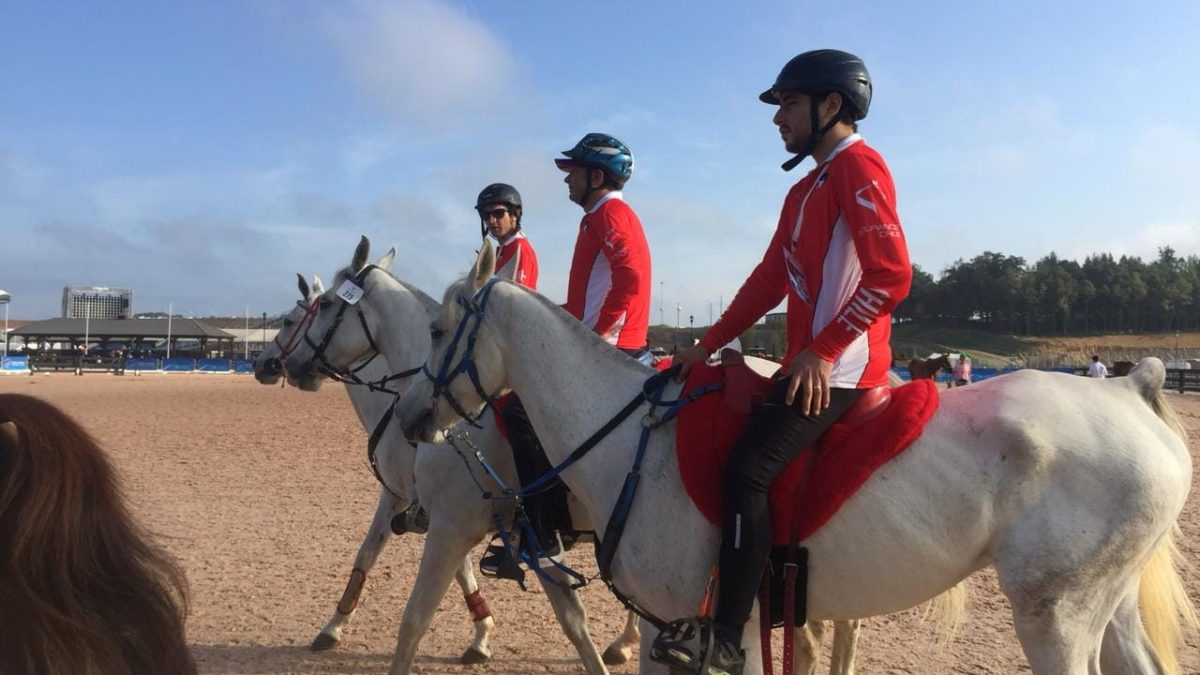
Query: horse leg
x,y
1126,649
1060,615
572,616
808,639
441,560
368,552
479,651
845,647
621,649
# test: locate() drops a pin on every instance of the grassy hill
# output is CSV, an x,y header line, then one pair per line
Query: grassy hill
x,y
992,349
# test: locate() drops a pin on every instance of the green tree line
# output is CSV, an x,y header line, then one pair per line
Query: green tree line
x,y
1055,296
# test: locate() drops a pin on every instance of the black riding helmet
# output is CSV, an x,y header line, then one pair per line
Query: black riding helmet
x,y
820,72
499,193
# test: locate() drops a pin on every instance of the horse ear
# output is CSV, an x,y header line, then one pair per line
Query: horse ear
x,y
302,285
10,436
360,254
485,266
318,285
509,271
388,258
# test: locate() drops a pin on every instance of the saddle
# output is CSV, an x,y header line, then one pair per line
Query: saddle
x,y
880,425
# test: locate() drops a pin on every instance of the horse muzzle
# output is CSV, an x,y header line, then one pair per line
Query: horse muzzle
x,y
269,371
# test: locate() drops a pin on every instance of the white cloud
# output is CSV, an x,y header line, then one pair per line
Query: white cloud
x,y
423,61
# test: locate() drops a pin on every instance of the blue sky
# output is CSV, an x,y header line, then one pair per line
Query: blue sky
x,y
203,153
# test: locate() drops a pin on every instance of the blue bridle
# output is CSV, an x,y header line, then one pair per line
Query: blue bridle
x,y
473,308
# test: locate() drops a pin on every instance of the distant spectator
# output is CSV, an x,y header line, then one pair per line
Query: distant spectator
x,y
962,371
1097,369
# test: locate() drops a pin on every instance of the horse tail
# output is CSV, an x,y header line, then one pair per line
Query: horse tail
x,y
1148,377
947,612
1167,611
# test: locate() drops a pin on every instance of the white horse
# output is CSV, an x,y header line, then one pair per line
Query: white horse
x,y
1070,488
369,405
396,317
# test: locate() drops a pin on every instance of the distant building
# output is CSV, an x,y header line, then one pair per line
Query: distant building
x,y
96,302
776,319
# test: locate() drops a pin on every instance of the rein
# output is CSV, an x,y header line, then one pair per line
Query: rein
x,y
351,296
606,549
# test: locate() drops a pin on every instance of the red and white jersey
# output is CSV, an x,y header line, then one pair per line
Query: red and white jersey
x,y
609,286
527,266
840,258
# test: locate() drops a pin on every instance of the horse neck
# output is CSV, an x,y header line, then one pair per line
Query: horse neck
x,y
400,316
569,380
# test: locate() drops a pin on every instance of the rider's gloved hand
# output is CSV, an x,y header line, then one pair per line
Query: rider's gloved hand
x,y
688,358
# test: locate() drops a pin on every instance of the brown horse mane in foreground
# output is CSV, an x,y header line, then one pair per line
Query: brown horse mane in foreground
x,y
83,590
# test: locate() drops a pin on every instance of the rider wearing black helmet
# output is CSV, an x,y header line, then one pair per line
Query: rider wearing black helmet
x,y
499,208
839,257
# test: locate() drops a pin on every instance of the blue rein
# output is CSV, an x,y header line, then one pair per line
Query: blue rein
x,y
474,309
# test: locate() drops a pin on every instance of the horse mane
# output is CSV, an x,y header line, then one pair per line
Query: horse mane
x,y
426,301
83,589
574,325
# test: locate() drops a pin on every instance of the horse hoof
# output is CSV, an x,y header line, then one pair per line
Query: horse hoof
x,y
614,656
323,642
473,657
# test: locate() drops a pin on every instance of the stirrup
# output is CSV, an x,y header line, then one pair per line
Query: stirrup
x,y
414,519
687,646
499,563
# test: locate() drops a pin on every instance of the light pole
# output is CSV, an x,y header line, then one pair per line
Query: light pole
x,y
5,298
691,327
678,311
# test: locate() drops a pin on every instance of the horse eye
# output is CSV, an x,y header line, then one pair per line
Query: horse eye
x,y
436,333
288,322
326,303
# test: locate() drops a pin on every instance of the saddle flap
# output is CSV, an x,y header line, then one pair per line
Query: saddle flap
x,y
867,407
744,388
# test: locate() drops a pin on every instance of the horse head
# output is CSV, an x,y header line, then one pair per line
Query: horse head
x,y
326,345
465,361
268,367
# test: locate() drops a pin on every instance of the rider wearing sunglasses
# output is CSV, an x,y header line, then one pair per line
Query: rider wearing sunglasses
x,y
499,208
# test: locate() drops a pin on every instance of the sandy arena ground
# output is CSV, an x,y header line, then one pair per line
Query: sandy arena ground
x,y
264,494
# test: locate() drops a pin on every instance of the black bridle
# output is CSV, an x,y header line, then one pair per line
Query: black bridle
x,y
350,375
474,308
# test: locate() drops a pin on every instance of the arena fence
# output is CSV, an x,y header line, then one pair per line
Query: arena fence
x,y
117,365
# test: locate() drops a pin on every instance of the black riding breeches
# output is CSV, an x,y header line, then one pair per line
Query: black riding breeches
x,y
775,435
547,508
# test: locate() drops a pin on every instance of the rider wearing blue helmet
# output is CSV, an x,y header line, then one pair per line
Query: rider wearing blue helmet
x,y
609,285
609,291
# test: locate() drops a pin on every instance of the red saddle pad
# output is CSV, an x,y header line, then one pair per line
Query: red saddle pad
x,y
846,455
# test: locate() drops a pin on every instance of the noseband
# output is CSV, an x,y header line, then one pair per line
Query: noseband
x,y
473,308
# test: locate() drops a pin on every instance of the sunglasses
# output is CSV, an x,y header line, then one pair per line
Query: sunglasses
x,y
494,213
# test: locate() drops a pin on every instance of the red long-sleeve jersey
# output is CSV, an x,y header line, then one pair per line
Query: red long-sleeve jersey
x,y
609,286
527,265
840,258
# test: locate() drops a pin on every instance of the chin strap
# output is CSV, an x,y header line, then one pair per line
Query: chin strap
x,y
813,139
